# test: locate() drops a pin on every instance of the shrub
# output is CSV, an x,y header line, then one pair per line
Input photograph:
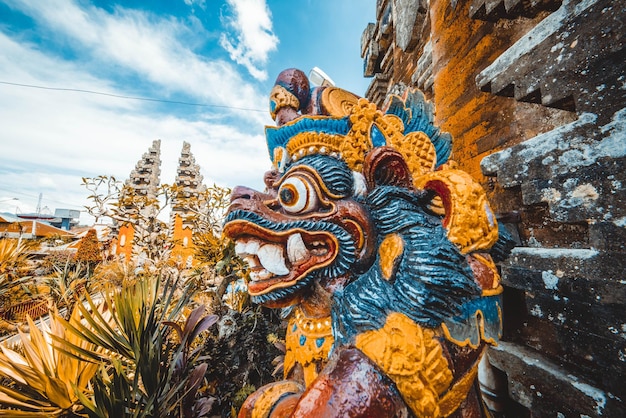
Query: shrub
x,y
89,251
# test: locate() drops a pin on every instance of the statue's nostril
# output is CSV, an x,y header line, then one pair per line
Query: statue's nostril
x,y
241,192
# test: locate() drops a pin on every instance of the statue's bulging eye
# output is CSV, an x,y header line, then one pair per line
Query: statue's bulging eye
x,y
297,195
288,196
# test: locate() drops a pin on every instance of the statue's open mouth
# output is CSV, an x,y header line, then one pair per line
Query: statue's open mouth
x,y
279,259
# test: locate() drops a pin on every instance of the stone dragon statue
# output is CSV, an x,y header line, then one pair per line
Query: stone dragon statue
x,y
381,253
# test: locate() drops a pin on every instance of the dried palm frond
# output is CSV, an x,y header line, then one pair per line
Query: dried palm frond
x,y
46,378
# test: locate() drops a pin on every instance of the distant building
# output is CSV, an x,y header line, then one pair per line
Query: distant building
x,y
16,227
65,218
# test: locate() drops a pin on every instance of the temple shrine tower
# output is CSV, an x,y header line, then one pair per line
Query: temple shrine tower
x,y
187,204
139,197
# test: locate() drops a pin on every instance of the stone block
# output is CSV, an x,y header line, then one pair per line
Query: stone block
x,y
548,390
576,169
570,307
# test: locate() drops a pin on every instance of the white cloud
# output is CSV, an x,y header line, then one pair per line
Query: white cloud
x,y
156,49
200,3
253,39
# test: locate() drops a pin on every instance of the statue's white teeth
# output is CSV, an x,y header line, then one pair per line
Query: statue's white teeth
x,y
271,258
252,261
259,274
319,248
249,247
296,250
267,260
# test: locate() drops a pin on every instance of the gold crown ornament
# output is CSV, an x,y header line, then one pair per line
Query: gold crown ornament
x,y
334,122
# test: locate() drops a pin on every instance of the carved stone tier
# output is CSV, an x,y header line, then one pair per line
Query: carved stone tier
x,y
510,9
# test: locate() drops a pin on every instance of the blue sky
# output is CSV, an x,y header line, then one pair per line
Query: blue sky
x,y
222,54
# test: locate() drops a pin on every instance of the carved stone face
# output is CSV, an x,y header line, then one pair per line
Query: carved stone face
x,y
306,227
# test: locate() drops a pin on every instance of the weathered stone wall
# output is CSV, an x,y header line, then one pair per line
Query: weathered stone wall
x,y
534,94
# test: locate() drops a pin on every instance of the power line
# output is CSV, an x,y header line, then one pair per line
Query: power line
x,y
46,199
120,96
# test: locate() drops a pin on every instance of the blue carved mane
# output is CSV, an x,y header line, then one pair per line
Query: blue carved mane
x,y
432,281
